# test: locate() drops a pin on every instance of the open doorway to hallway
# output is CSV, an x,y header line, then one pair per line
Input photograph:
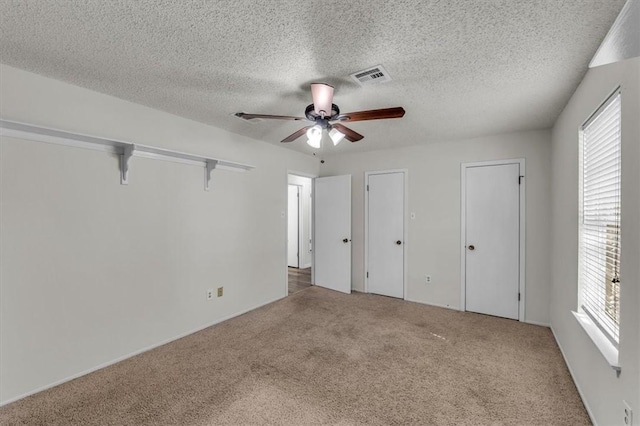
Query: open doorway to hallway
x,y
299,233
298,279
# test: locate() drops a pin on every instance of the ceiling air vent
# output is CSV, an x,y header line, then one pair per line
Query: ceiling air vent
x,y
373,75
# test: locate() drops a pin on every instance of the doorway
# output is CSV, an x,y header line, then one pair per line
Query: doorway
x,y
492,238
385,233
299,233
293,227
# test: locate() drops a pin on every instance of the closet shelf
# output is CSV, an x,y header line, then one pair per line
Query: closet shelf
x,y
126,150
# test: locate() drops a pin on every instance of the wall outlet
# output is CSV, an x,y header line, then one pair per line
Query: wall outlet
x,y
628,414
427,279
210,294
220,291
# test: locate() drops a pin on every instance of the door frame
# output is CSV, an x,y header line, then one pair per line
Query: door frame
x,y
463,229
285,215
405,226
300,221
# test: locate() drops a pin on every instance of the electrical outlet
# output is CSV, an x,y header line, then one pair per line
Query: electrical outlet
x,y
427,279
210,294
220,291
628,414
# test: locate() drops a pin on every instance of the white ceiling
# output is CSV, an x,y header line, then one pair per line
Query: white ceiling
x,y
459,68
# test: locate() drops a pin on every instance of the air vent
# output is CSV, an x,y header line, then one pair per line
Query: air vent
x,y
373,75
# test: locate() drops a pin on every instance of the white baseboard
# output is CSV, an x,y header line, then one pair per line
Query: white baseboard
x,y
541,324
573,377
138,352
437,305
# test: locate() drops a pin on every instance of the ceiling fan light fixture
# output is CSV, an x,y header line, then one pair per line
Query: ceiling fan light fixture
x,y
322,95
314,136
314,143
336,136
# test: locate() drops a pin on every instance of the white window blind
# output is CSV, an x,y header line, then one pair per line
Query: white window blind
x,y
600,217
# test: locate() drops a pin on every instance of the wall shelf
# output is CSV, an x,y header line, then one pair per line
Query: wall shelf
x,y
126,150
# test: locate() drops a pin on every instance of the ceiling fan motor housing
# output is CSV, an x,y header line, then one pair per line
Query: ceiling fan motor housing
x,y
319,120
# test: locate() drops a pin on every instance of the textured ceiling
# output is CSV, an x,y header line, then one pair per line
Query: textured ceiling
x,y
459,68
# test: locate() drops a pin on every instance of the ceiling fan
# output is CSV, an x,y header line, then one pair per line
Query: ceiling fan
x,y
326,116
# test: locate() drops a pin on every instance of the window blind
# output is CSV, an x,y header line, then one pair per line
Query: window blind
x,y
600,217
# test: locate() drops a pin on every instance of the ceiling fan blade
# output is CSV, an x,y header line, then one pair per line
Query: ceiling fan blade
x,y
372,114
322,95
292,137
350,135
276,117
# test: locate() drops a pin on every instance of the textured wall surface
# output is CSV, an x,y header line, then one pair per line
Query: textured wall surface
x,y
602,391
434,195
93,270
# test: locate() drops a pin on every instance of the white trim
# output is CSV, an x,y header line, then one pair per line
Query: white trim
x,y
313,227
301,244
523,240
541,324
522,260
125,149
573,377
602,342
298,187
436,305
138,352
463,237
405,226
313,231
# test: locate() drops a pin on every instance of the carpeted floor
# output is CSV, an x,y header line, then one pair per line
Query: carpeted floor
x,y
324,357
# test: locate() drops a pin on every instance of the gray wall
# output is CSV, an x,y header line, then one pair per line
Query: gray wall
x,y
93,271
602,391
434,195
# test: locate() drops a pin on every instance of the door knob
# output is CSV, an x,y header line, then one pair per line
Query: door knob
x,y
346,240
472,247
398,242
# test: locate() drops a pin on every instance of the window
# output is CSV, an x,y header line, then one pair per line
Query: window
x,y
600,177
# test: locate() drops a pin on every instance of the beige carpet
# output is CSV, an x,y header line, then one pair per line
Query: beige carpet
x,y
324,357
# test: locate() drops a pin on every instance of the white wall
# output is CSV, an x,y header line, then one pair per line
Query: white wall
x,y
305,218
434,195
602,391
91,270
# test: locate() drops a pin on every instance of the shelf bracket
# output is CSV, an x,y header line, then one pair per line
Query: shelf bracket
x,y
125,157
211,164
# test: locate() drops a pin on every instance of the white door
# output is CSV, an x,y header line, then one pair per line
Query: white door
x,y
385,236
332,233
492,246
293,252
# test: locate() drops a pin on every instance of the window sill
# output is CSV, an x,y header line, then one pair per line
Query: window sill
x,y
607,349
